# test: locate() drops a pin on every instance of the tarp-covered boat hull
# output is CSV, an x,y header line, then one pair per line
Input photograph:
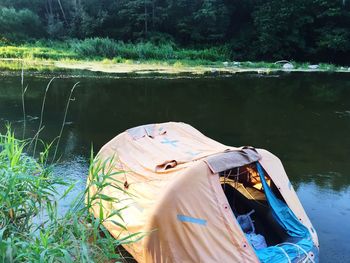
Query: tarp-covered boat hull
x,y
172,194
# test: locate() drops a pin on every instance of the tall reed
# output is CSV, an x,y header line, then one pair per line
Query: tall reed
x,y
36,136
64,119
23,91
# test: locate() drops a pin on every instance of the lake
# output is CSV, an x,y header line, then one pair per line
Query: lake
x,y
303,118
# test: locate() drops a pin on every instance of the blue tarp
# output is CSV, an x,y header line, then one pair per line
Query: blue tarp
x,y
288,251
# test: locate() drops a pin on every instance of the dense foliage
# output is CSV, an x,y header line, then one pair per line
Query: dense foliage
x,y
314,30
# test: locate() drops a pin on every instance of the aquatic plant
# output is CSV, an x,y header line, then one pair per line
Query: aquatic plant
x,y
31,230
36,136
23,92
64,119
25,184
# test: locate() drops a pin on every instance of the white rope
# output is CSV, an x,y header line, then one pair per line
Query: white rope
x,y
285,253
299,247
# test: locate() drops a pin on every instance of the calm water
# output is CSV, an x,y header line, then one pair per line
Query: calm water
x,y
302,118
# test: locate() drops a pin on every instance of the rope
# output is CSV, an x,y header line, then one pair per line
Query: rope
x,y
226,177
251,196
299,247
285,253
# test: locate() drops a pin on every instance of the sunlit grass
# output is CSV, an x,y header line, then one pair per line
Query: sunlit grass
x,y
27,64
104,48
32,52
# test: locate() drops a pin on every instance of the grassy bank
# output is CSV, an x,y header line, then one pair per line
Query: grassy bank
x,y
106,55
31,229
101,48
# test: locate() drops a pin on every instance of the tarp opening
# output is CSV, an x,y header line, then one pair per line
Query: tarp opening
x,y
287,238
290,251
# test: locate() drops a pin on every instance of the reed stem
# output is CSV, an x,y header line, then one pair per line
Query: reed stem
x,y
36,137
64,119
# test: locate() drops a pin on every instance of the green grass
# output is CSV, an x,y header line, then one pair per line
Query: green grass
x,y
100,48
33,52
29,190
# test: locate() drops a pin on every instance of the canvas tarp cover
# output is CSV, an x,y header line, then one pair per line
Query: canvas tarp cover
x,y
176,200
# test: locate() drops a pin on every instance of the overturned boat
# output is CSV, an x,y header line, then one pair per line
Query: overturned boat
x,y
196,200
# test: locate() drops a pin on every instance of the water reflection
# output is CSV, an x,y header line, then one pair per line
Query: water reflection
x,y
330,212
303,118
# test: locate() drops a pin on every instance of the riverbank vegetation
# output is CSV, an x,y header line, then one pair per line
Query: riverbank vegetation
x,y
108,55
210,30
106,48
31,230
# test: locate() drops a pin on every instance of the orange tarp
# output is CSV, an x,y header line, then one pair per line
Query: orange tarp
x,y
175,199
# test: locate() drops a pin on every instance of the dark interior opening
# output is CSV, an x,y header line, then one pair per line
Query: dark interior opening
x,y
244,193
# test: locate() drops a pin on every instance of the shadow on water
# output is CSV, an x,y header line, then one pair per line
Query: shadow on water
x,y
303,118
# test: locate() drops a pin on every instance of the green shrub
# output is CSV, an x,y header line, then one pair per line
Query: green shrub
x,y
108,48
95,47
146,50
211,54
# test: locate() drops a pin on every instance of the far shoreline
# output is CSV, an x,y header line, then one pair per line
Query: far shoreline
x,y
149,67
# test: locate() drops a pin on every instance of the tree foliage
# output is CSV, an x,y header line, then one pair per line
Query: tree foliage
x,y
19,25
255,29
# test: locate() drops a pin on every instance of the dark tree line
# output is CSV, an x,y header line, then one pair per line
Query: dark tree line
x,y
316,30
